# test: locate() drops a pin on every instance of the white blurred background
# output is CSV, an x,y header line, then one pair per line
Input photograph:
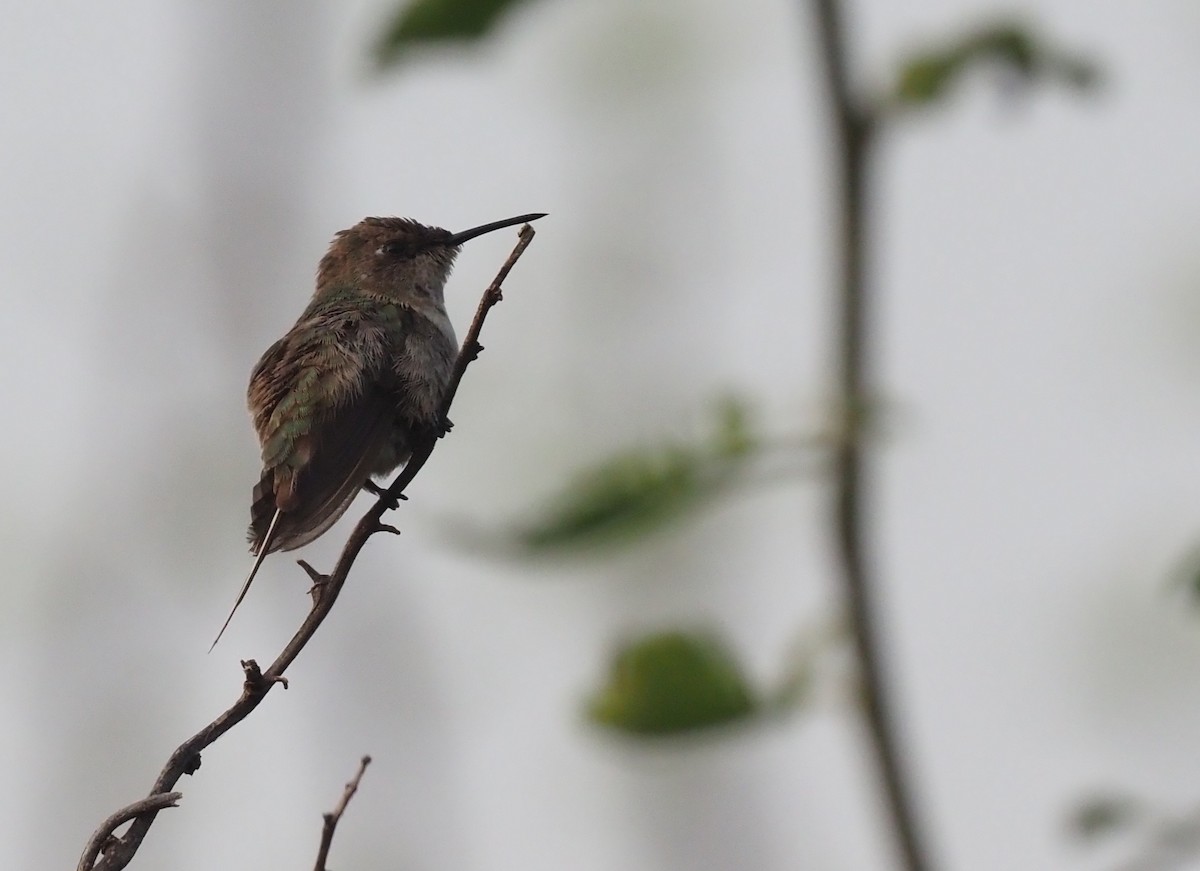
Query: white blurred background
x,y
172,172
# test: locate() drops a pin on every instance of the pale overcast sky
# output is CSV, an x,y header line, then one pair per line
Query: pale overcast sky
x,y
171,174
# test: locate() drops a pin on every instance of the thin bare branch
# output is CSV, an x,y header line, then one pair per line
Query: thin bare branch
x,y
186,759
101,838
334,817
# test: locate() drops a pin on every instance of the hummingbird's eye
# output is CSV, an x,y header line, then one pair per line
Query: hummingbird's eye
x,y
394,249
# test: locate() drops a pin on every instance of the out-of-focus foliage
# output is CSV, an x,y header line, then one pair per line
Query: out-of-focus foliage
x,y
1104,814
673,682
639,492
805,664
733,437
1186,576
1153,838
431,21
929,75
627,496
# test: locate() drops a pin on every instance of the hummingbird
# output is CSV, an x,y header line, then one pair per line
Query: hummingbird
x,y
356,382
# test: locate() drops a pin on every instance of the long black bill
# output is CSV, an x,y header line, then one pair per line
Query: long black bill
x,y
459,238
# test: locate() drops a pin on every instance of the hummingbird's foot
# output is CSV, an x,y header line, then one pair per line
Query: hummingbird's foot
x,y
393,502
443,426
256,681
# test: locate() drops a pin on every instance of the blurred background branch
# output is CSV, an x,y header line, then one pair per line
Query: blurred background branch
x,y
854,131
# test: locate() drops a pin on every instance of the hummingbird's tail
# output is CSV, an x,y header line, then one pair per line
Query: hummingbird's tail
x,y
263,550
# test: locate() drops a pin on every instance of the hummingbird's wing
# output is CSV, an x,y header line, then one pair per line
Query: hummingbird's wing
x,y
332,462
322,416
323,419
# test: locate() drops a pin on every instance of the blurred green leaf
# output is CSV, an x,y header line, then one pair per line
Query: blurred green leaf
x,y
923,79
426,21
629,495
927,77
673,682
1103,815
733,436
639,492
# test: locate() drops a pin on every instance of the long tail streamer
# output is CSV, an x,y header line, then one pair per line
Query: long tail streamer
x,y
258,561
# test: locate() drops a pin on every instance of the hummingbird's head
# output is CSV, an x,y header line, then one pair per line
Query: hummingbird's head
x,y
390,257
398,258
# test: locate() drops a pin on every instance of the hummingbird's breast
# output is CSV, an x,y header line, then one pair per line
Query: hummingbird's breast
x,y
423,352
435,314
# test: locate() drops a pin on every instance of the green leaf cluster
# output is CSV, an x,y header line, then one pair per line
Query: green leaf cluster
x,y
673,682
639,492
929,75
432,21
